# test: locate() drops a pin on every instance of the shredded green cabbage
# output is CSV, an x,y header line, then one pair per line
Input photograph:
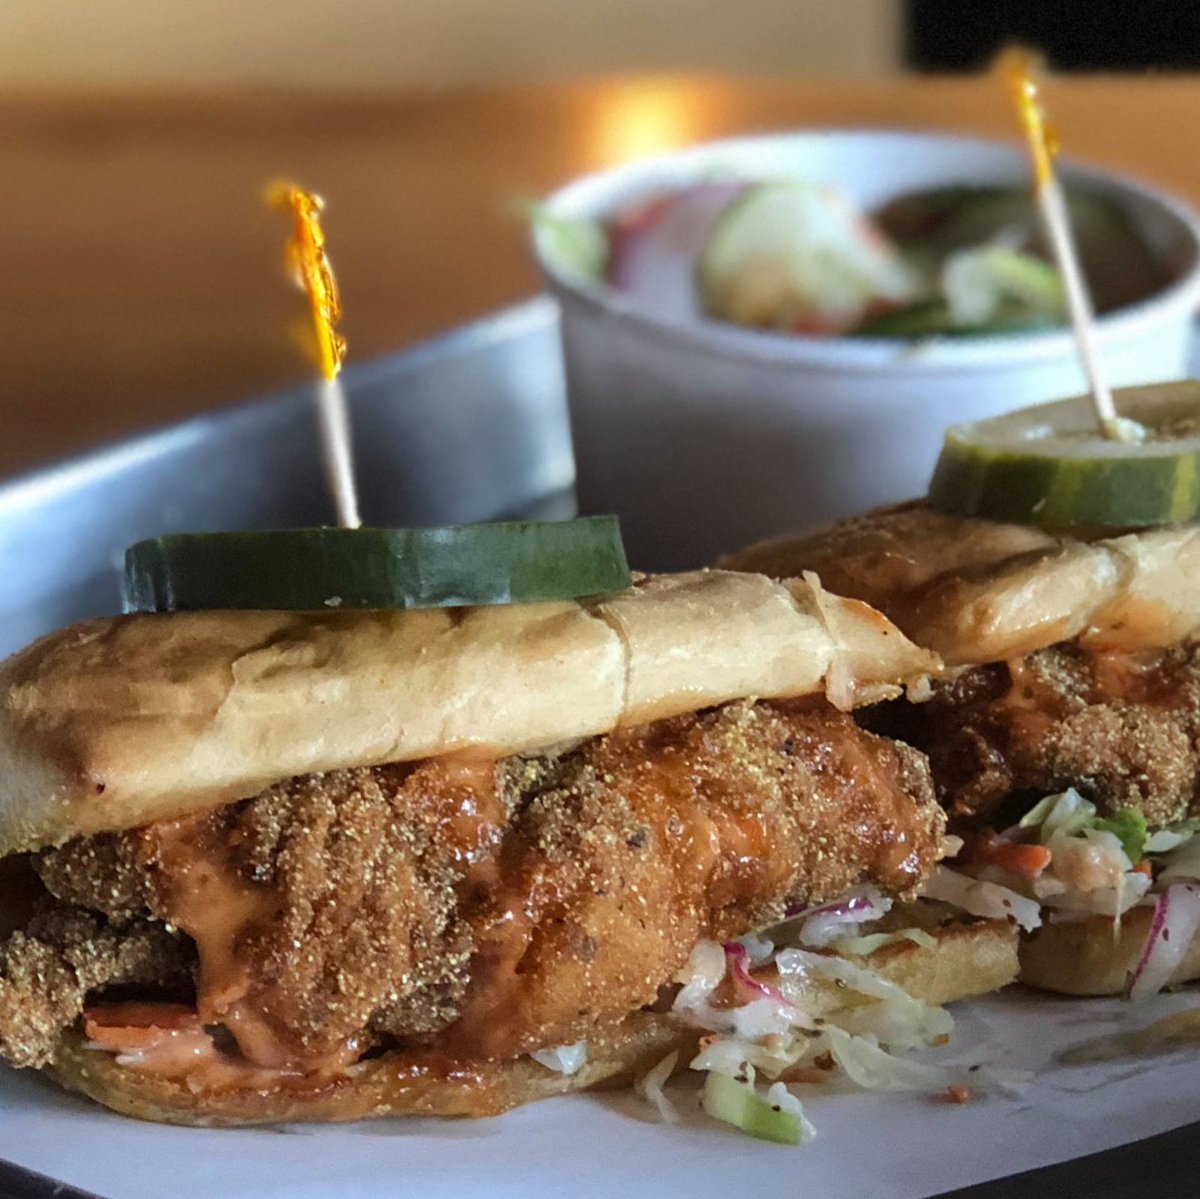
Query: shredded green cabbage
x,y
1070,814
1163,840
1130,828
736,1101
1066,813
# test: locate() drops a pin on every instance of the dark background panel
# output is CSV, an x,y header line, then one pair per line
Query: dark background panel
x,y
1116,35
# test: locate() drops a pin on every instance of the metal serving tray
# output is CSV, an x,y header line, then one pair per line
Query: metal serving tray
x,y
471,426
468,427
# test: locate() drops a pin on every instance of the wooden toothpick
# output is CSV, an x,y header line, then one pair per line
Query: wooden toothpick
x,y
1017,68
306,256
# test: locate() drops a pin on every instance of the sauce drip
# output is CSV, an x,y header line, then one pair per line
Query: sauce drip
x,y
206,896
248,982
170,1041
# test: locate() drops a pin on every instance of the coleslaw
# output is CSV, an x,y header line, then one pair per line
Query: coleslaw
x,y
1063,861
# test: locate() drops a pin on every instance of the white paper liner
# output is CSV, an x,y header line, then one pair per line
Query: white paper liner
x,y
885,1145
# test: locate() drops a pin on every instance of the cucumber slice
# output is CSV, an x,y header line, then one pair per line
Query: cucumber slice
x,y
324,569
987,290
979,283
788,254
1049,465
1119,265
933,318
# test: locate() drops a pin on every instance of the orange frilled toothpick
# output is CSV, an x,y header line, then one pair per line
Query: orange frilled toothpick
x,y
306,257
1016,67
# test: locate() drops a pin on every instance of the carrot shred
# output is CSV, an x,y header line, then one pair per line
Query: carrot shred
x,y
1014,856
135,1025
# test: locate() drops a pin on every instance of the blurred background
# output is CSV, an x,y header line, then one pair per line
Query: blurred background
x,y
143,277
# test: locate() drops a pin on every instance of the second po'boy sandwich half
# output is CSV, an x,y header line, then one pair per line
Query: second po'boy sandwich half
x,y
1064,738
296,866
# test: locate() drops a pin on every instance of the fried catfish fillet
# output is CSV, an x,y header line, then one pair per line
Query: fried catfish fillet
x,y
494,907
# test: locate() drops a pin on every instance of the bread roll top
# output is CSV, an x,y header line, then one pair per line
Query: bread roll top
x,y
978,591
121,721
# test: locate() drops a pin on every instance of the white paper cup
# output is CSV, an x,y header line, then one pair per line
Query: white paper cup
x,y
703,436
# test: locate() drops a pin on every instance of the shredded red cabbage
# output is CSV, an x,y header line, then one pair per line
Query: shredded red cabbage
x,y
738,959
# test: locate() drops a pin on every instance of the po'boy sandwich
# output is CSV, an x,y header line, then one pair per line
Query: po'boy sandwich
x,y
297,866
1064,738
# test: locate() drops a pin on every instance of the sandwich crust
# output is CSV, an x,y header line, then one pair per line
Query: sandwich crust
x,y
122,721
1096,956
977,591
1098,689
968,960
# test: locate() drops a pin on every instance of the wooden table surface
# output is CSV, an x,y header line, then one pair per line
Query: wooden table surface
x,y
143,277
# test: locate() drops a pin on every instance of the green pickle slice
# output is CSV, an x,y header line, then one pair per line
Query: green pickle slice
x,y
1050,466
335,569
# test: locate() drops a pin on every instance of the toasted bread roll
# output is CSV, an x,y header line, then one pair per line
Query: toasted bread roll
x,y
978,591
968,960
1095,957
118,722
